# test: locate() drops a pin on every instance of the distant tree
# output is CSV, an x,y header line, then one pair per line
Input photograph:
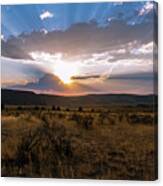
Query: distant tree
x,y
53,107
92,110
67,109
2,106
19,108
58,108
88,122
42,108
36,108
120,117
80,109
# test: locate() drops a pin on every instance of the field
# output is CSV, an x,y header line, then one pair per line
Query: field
x,y
93,143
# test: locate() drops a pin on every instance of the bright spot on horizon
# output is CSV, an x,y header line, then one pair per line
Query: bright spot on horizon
x,y
65,71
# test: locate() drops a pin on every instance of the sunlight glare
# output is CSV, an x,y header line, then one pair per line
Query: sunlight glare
x,y
65,71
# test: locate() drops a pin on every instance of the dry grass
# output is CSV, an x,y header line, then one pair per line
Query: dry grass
x,y
79,144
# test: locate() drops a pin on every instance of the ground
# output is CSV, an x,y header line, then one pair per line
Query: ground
x,y
93,143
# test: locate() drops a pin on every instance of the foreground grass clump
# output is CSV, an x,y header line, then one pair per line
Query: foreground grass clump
x,y
78,144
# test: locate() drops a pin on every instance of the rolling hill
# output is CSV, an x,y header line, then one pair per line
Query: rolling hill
x,y
16,97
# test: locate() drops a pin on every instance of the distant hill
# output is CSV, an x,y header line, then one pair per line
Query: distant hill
x,y
16,97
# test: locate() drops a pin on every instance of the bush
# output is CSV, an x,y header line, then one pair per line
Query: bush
x,y
53,108
19,108
2,106
141,119
58,108
80,109
36,108
88,122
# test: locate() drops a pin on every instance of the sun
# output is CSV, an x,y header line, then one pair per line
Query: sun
x,y
65,70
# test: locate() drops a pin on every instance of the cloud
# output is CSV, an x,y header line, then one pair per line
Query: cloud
x,y
19,71
133,76
50,83
45,15
146,48
44,30
46,82
13,50
80,39
2,37
96,52
146,8
85,77
134,50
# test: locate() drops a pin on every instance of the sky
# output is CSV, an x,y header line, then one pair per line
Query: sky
x,y
79,48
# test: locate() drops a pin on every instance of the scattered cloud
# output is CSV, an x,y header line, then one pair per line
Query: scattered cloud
x,y
146,8
44,30
144,49
45,15
111,19
2,37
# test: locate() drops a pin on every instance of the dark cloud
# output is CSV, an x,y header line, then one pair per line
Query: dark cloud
x,y
13,50
47,82
129,56
79,39
51,83
85,77
133,76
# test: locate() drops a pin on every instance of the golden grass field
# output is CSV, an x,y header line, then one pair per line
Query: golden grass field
x,y
102,143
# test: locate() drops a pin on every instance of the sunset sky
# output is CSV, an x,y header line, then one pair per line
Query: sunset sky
x,y
74,49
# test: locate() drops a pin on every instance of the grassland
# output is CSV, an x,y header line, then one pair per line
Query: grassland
x,y
93,143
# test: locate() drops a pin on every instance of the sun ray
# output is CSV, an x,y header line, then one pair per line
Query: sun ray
x,y
65,70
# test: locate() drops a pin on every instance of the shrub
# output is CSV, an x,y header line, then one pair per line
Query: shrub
x,y
120,117
2,106
36,108
19,108
92,110
58,108
88,122
141,119
53,108
80,109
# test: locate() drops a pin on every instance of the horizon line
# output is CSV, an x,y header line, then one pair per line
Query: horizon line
x,y
81,95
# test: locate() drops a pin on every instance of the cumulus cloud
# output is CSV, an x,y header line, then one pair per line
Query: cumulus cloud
x,y
146,8
2,37
45,15
144,49
134,50
19,71
49,83
79,39
44,30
